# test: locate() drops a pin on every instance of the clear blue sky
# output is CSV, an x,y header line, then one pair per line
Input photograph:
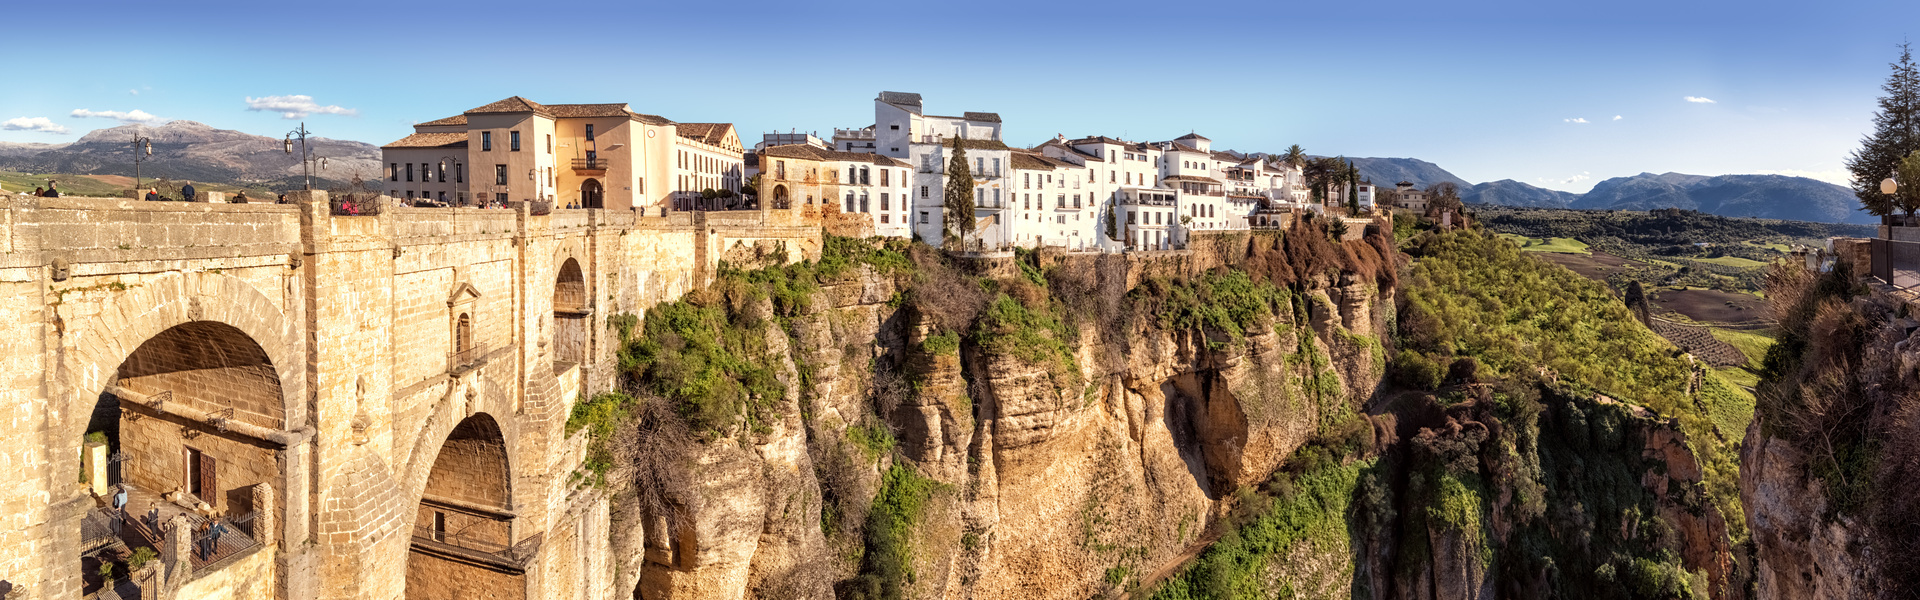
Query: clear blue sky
x,y
1489,90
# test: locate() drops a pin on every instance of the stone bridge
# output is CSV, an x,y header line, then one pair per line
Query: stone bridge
x,y
372,407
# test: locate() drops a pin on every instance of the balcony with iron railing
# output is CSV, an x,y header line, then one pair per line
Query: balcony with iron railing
x,y
590,166
475,547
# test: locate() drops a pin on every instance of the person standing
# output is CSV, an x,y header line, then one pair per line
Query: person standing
x,y
186,193
52,191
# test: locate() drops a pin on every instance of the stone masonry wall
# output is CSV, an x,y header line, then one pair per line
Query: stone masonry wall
x,y
352,319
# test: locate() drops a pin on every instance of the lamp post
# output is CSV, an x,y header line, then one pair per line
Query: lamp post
x,y
142,152
307,157
1889,185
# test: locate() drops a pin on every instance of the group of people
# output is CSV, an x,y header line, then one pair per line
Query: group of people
x,y
186,194
47,192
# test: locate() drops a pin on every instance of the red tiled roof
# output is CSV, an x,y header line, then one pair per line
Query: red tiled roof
x,y
455,139
453,120
712,133
512,104
811,152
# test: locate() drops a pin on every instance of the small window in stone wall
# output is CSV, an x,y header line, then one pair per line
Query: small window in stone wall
x,y
463,341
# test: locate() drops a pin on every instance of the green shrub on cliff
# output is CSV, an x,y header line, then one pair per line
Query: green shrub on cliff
x,y
886,570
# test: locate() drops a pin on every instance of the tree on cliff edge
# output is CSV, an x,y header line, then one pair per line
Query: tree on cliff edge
x,y
959,196
1896,134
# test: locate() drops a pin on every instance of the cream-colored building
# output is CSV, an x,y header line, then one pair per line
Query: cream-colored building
x,y
586,155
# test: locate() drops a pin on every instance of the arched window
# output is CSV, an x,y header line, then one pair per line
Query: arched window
x,y
780,200
570,316
463,340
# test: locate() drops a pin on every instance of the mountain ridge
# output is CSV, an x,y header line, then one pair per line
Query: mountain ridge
x,y
190,150
1734,195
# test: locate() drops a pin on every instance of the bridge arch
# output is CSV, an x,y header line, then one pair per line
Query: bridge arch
x,y
462,538
181,384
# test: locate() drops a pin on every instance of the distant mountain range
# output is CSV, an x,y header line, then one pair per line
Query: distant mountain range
x,y
1763,196
188,150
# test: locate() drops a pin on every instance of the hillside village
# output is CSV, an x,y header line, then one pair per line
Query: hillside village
x,y
887,179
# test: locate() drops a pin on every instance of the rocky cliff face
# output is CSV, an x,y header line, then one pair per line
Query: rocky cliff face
x,y
1803,549
1039,454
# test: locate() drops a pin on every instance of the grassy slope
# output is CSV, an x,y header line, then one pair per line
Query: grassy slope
x,y
1733,261
1486,299
1753,344
1558,244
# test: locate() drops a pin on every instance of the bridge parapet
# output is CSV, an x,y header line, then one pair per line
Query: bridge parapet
x,y
89,229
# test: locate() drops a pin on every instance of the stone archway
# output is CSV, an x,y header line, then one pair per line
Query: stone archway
x,y
191,418
780,200
570,317
592,194
463,527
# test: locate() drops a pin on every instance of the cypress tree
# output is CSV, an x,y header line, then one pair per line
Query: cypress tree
x,y
1896,134
959,194
1113,221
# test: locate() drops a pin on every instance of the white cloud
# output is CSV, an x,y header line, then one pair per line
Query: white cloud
x,y
132,116
1618,117
1576,120
133,92
1583,176
1700,100
40,124
1833,176
296,106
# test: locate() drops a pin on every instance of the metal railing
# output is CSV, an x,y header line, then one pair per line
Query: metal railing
x,y
425,533
590,164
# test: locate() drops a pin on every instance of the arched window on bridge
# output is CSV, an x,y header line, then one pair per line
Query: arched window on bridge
x,y
570,317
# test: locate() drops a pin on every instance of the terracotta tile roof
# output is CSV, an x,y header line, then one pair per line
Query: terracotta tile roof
x,y
1226,156
977,144
712,133
513,104
902,99
1192,136
984,117
578,111
1179,147
457,139
453,120
1076,151
1192,178
810,152
1031,162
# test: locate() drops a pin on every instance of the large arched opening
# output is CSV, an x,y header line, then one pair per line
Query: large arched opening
x,y
462,534
570,317
592,195
780,200
184,432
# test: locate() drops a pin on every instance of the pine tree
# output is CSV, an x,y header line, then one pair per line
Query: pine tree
x,y
1896,134
959,194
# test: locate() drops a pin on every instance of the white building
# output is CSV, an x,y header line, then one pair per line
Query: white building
x,y
708,158
903,131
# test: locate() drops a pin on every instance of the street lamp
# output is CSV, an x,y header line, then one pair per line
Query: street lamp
x,y
142,152
1888,186
307,158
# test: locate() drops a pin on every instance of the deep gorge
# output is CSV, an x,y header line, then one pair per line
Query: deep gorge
x,y
1273,414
